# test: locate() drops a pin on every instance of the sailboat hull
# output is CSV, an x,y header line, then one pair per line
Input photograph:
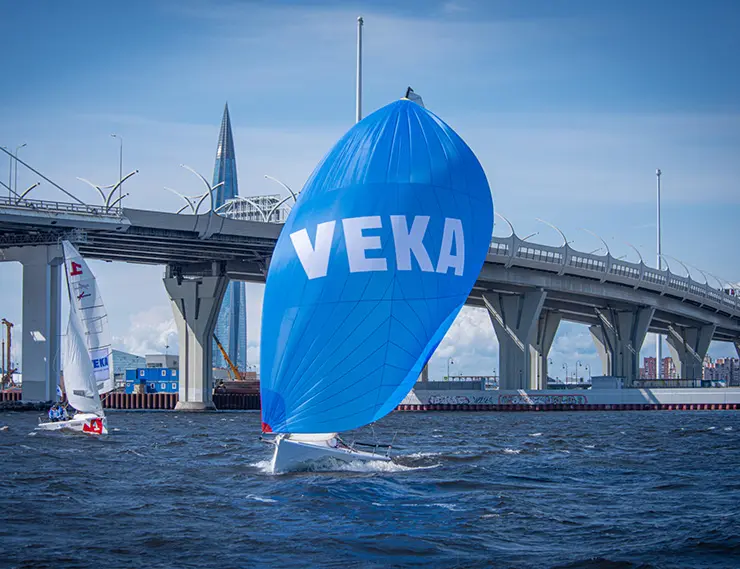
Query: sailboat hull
x,y
87,423
293,455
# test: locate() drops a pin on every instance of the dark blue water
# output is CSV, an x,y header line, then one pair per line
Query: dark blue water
x,y
576,490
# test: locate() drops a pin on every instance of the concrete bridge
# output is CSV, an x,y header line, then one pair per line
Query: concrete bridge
x,y
528,289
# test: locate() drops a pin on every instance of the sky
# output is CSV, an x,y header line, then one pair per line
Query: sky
x,y
570,107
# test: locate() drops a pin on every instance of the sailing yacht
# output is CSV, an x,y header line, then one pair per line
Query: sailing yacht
x,y
374,263
88,358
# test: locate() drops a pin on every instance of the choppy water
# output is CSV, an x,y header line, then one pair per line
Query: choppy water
x,y
575,490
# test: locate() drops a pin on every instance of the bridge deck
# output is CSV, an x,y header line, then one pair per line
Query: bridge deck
x,y
576,282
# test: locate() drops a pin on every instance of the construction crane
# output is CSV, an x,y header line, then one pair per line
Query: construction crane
x,y
8,370
233,370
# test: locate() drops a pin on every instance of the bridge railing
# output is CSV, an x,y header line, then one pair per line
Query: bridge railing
x,y
513,251
48,206
510,251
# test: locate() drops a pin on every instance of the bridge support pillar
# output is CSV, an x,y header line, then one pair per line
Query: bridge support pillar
x,y
547,327
515,318
619,338
42,318
424,373
688,347
196,303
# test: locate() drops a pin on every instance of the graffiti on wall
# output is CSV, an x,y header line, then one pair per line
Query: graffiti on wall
x,y
508,399
559,399
462,400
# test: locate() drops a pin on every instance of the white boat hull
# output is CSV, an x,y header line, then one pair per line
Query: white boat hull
x,y
87,423
293,455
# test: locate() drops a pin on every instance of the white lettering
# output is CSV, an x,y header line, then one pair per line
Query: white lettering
x,y
453,229
357,244
315,260
407,242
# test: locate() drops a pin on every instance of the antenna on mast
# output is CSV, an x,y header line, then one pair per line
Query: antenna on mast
x,y
358,103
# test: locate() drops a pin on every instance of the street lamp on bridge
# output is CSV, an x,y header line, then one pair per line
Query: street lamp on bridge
x,y
449,361
17,149
120,166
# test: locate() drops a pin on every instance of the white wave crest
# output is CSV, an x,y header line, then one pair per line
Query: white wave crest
x,y
263,465
512,451
421,455
260,499
535,434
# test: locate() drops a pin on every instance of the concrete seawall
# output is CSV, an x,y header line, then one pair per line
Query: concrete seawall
x,y
622,400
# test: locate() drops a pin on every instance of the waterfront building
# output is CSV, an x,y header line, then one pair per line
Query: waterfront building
x,y
648,368
231,326
667,369
725,370
123,361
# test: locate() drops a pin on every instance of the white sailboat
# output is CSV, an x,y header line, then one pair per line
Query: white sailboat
x,y
295,451
87,361
373,264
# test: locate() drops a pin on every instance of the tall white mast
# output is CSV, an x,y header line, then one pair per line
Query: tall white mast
x,y
658,337
358,106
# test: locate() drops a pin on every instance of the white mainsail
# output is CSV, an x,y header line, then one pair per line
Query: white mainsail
x,y
86,302
79,376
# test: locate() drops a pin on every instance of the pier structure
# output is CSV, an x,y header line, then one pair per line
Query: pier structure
x,y
196,303
42,317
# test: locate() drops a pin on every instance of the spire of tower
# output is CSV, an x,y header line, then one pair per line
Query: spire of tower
x,y
225,138
225,168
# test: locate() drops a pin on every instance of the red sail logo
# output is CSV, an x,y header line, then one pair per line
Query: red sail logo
x,y
76,269
93,426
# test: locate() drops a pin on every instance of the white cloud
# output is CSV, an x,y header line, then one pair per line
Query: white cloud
x,y
149,332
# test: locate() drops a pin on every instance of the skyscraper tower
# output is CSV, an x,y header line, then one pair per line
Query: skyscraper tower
x,y
231,327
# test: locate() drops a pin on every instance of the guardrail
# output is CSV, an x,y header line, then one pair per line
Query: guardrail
x,y
510,251
513,251
46,206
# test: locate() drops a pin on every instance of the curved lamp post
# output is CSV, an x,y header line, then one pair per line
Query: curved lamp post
x,y
606,246
17,149
636,251
565,239
107,199
209,190
120,164
284,185
511,227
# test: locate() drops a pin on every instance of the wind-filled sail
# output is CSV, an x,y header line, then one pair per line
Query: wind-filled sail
x,y
86,302
373,265
79,376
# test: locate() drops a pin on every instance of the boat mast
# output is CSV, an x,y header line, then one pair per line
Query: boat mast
x,y
358,100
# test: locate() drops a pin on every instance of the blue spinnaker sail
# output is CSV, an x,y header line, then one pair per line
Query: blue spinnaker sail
x,y
373,265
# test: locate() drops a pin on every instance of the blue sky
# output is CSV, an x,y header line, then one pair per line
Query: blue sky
x,y
570,107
